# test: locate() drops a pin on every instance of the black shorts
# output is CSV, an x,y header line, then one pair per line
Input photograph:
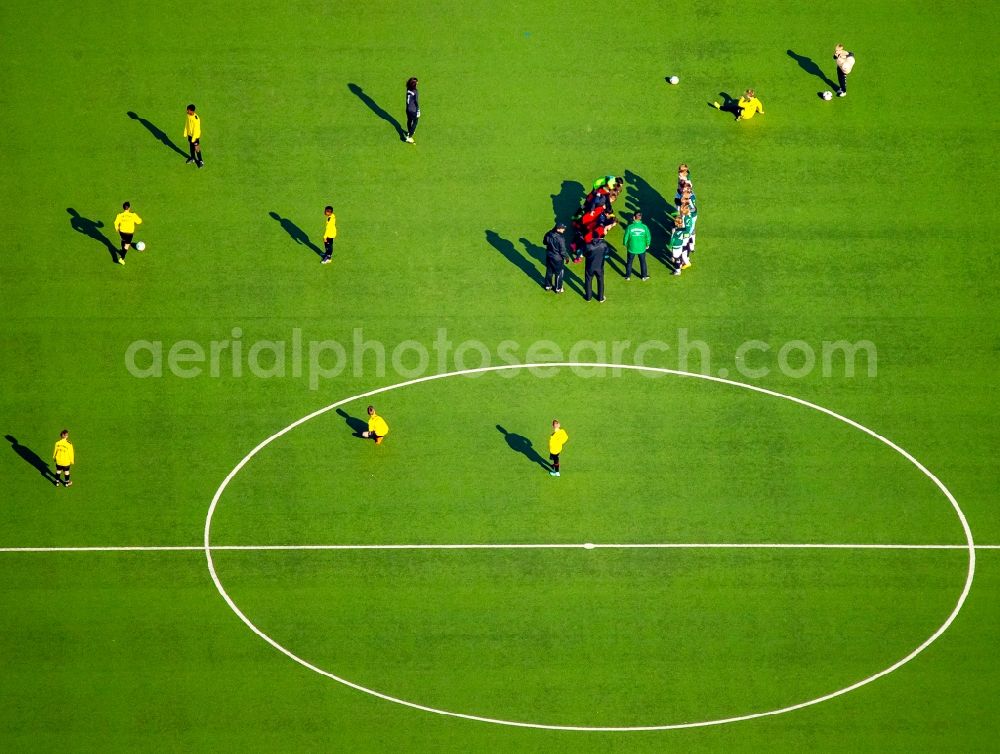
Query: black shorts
x,y
126,237
193,141
328,245
62,468
553,457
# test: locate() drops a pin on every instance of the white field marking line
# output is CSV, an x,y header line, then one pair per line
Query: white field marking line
x,y
970,574
516,546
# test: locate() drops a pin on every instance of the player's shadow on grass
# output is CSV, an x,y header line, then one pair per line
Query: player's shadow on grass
x,y
92,229
728,105
614,259
356,425
297,234
567,201
538,252
358,92
31,458
524,262
809,66
157,133
521,444
656,212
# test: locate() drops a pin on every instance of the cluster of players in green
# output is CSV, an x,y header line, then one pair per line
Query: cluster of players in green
x,y
596,217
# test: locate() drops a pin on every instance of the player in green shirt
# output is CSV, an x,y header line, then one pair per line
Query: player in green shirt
x,y
689,213
637,240
676,244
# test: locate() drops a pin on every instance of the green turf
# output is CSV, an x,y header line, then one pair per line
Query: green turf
x,y
598,638
867,218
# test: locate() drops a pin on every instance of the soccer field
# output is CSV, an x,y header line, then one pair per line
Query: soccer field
x,y
775,526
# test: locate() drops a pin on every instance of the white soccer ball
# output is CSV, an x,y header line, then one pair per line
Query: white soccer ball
x,y
828,96
140,246
674,80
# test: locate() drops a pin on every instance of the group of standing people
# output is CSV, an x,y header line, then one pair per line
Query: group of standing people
x,y
127,220
591,225
682,236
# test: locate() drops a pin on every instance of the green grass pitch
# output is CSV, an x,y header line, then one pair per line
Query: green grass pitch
x,y
868,218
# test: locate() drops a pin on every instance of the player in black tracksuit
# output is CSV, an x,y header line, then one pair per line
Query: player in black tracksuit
x,y
556,254
595,253
412,109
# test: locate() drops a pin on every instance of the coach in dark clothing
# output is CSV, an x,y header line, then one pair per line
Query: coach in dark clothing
x,y
595,253
556,254
412,109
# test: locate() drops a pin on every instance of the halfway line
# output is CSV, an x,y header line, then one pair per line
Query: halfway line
x,y
554,546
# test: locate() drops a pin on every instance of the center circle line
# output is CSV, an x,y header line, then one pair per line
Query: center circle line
x,y
967,586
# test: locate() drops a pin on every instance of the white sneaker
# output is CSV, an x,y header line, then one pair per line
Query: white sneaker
x,y
409,140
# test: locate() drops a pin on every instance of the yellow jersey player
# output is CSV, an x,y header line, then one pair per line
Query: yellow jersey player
x,y
125,222
749,105
192,132
377,427
329,233
63,456
557,440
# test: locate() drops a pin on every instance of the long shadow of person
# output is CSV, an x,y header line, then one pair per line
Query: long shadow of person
x,y
356,425
729,105
538,252
358,92
297,234
573,280
157,133
613,259
656,212
567,201
521,444
31,458
810,66
512,255
91,229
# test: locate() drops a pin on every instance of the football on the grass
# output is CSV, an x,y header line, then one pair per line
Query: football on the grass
x,y
140,246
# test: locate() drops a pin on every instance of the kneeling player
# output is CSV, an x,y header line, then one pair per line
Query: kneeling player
x,y
377,427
